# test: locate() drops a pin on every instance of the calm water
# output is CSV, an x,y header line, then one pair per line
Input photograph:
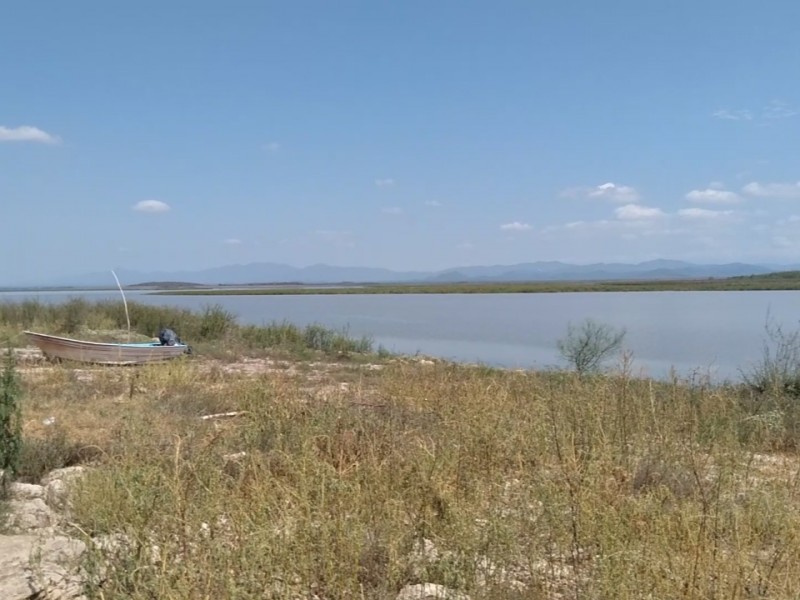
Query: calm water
x,y
709,332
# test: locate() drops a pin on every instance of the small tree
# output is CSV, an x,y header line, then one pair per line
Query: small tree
x,y
587,345
10,423
778,370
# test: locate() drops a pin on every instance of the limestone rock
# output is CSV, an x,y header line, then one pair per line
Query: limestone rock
x,y
29,354
34,568
56,493
423,554
24,516
25,491
57,484
68,474
429,591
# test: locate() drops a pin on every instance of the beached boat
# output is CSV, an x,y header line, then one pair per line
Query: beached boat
x,y
62,348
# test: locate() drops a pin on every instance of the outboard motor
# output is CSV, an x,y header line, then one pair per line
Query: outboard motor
x,y
167,337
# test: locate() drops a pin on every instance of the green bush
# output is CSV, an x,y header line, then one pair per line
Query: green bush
x,y
215,322
10,423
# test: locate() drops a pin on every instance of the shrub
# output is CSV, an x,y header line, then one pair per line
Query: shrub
x,y
74,313
589,344
39,456
318,337
778,370
215,322
10,422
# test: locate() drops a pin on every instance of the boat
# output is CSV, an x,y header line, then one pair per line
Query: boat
x,y
104,353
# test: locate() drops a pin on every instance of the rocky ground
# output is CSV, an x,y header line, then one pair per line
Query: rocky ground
x,y
39,555
42,552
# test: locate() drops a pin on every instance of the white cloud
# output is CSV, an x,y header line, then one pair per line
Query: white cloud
x,y
699,233
151,206
433,203
232,242
606,191
704,214
393,210
388,182
778,110
713,196
734,115
26,133
636,212
515,226
615,193
272,147
773,190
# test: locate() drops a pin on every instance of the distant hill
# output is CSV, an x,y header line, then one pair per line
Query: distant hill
x,y
558,271
253,273
274,273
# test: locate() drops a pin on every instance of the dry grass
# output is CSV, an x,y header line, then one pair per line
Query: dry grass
x,y
358,480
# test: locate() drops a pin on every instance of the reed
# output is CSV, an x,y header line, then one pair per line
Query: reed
x,y
213,329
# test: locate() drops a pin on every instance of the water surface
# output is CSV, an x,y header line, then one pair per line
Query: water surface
x,y
707,332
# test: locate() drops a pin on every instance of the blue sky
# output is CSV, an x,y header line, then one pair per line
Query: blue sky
x,y
414,134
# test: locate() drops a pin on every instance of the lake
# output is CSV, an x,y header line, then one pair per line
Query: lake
x,y
715,333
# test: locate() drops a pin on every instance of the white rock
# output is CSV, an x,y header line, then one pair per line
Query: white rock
x,y
28,355
67,473
24,516
113,543
424,552
57,485
56,493
25,491
429,591
34,568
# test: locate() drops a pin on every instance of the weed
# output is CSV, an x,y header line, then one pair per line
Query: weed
x,y
10,423
778,370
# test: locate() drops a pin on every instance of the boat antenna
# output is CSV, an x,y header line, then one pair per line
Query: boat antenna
x,y
124,303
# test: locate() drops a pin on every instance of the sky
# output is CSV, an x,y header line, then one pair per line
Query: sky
x,y
411,135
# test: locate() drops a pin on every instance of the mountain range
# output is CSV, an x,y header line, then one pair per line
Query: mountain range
x,y
264,272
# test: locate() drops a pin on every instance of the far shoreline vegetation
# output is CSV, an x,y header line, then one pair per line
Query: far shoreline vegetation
x,y
779,281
